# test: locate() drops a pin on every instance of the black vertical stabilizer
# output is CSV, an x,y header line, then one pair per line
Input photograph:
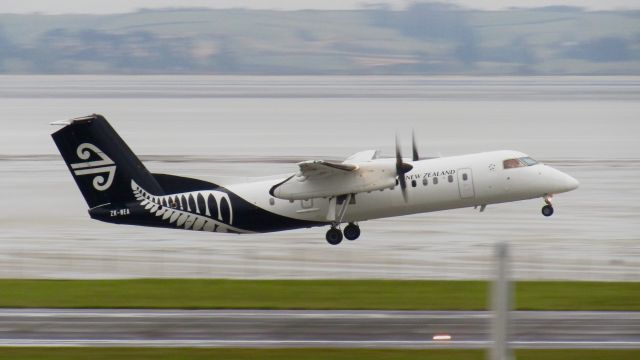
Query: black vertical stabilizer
x,y
101,163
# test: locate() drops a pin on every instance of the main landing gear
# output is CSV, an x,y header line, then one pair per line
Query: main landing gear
x,y
547,210
352,231
334,235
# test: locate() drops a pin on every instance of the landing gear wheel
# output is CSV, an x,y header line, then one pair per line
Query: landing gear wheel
x,y
547,210
352,231
334,236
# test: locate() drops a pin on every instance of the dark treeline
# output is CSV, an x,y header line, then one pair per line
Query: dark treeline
x,y
424,38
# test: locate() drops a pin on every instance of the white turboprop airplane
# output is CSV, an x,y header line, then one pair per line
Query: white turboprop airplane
x,y
119,189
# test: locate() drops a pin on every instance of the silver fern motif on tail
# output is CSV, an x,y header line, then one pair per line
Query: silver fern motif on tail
x,y
208,210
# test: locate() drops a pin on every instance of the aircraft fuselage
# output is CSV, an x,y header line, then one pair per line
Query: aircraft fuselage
x,y
433,185
119,189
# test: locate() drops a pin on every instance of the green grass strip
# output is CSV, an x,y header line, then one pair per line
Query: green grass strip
x,y
311,294
582,354
296,354
561,295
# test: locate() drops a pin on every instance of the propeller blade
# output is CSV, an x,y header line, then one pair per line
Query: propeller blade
x,y
414,146
403,187
398,154
401,169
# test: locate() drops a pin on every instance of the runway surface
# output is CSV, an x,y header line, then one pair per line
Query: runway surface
x,y
356,329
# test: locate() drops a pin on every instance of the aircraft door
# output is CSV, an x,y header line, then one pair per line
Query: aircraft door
x,y
465,183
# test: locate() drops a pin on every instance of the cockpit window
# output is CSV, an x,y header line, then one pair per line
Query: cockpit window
x,y
528,161
512,163
516,163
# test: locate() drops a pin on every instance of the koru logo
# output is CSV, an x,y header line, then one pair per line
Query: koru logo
x,y
104,165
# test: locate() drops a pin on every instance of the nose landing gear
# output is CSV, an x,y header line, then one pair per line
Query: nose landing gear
x,y
547,210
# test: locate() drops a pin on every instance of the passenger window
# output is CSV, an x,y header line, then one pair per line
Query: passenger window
x,y
435,181
413,183
425,181
512,163
450,178
465,177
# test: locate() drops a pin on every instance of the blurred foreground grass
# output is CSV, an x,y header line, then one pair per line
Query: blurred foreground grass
x,y
291,354
312,294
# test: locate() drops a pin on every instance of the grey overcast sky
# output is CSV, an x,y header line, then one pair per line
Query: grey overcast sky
x,y
119,6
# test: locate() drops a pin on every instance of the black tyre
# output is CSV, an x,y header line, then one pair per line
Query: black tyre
x,y
334,236
352,231
547,210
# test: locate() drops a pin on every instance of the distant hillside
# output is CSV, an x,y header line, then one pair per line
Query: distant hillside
x,y
423,39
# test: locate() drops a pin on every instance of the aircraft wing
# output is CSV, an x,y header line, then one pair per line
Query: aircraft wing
x,y
319,168
318,178
362,156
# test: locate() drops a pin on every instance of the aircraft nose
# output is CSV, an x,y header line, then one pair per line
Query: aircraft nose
x,y
569,182
573,183
561,182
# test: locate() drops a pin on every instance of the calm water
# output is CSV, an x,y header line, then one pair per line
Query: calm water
x,y
222,128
